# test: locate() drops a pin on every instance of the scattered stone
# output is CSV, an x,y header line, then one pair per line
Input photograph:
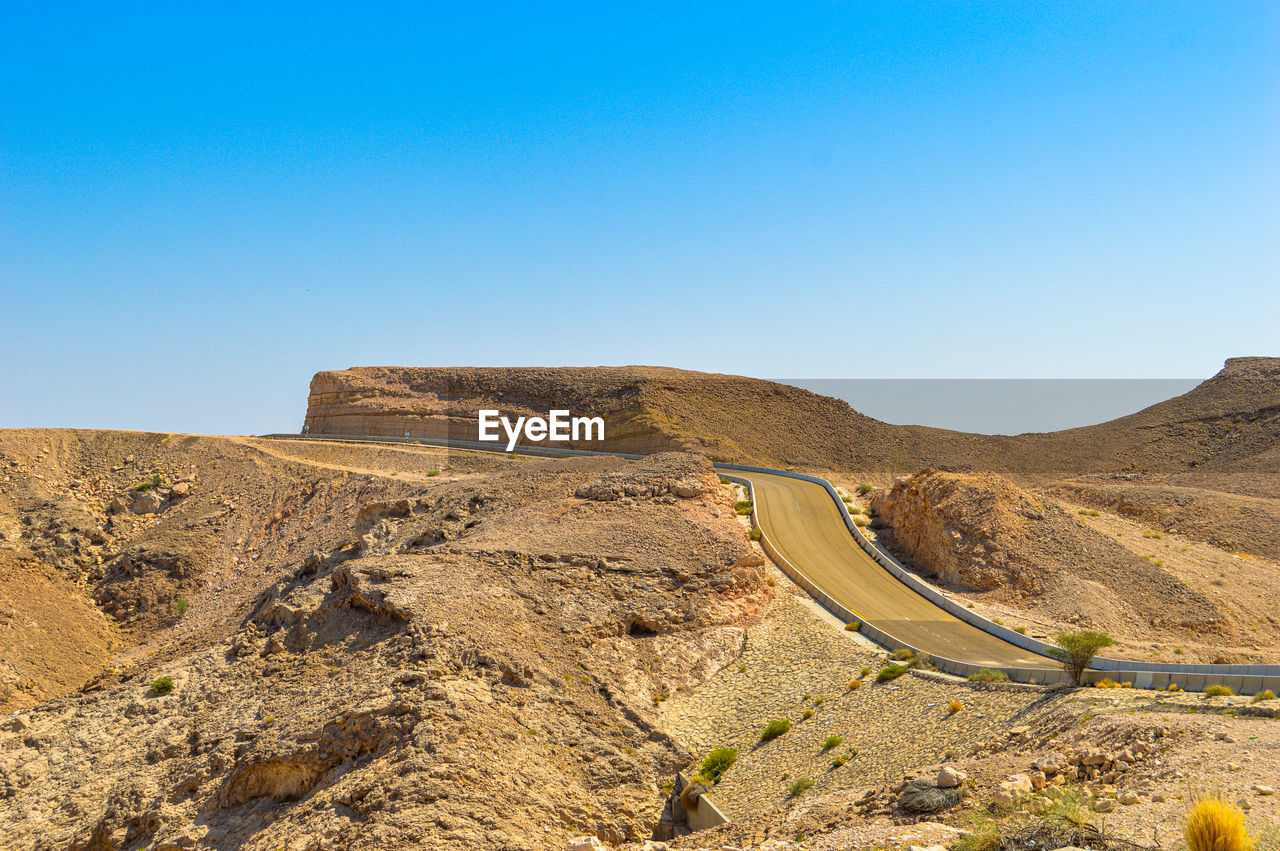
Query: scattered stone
x,y
585,843
1263,789
1129,797
1051,763
1104,805
950,777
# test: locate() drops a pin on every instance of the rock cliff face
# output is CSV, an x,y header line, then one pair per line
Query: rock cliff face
x,y
982,533
1228,422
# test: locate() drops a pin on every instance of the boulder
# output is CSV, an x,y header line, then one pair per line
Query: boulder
x,y
950,777
1012,791
1051,763
145,502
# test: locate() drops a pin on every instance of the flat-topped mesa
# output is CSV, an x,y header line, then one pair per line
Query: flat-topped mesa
x,y
1233,418
445,402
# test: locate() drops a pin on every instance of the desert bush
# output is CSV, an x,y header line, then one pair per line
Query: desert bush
x,y
860,521
433,472
802,785
725,481
1089,512
921,796
865,489
954,706
717,763
1263,695
755,533
1076,650
832,742
903,654
1106,683
839,761
855,684
181,606
853,626
152,481
771,582
989,675
1216,825
891,672
1150,534
1173,687
743,506
162,686
1021,630
1219,691
806,715
866,672
774,729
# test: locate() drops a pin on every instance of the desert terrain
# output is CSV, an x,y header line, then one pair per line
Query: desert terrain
x,y
226,642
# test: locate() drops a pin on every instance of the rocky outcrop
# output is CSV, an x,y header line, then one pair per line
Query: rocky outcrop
x,y
982,533
472,659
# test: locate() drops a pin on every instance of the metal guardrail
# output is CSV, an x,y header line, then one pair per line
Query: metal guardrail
x,y
1243,679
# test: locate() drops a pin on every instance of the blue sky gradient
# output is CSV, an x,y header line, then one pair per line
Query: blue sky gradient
x,y
203,204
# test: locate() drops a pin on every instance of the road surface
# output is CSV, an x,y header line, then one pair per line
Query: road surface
x,y
803,524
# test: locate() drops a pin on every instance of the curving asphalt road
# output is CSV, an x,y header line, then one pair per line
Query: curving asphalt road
x,y
803,524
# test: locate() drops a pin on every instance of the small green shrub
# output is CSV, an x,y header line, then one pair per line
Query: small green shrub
x,y
1263,695
717,763
755,533
1219,691
152,481
860,521
725,481
989,675
832,742
181,606
853,626
855,684
433,472
1021,630
903,654
866,672
162,686
802,785
1150,534
807,714
774,729
743,506
865,489
1089,512
891,672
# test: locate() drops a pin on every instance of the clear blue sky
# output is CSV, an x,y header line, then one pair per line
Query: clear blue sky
x,y
203,204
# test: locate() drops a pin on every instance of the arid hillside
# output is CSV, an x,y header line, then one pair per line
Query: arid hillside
x,y
1229,423
372,647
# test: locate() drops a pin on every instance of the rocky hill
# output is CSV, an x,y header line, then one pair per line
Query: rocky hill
x,y
384,647
981,533
1229,422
